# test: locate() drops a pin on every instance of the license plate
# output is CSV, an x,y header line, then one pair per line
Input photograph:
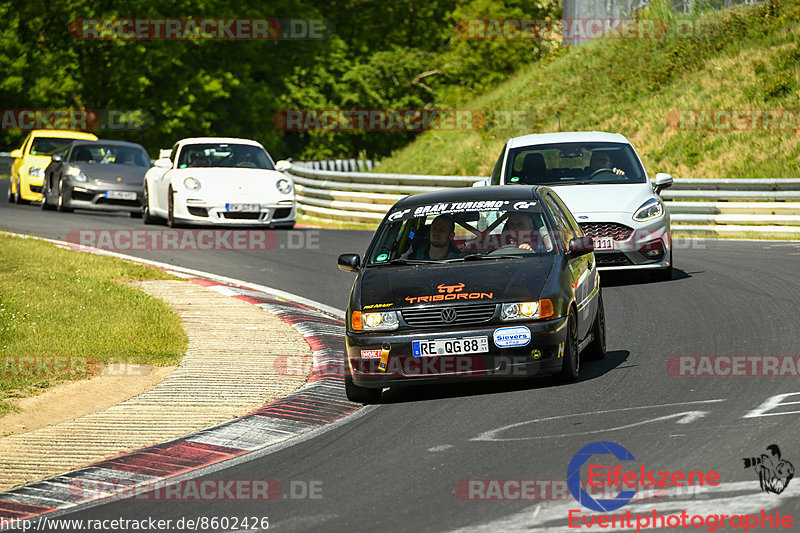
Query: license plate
x,y
121,195
438,347
604,243
243,208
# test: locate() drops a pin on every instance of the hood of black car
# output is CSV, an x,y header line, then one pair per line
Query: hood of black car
x,y
481,281
101,173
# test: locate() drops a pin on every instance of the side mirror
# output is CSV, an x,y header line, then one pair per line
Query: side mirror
x,y
282,166
580,246
349,262
57,158
481,183
165,153
662,182
16,154
163,163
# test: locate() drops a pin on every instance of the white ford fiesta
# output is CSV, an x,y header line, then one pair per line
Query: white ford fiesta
x,y
218,181
601,179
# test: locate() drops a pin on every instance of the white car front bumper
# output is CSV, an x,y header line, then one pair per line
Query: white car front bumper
x,y
633,245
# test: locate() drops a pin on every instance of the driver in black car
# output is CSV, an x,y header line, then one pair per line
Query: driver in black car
x,y
602,160
439,244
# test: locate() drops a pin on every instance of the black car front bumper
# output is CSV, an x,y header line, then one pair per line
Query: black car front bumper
x,y
542,355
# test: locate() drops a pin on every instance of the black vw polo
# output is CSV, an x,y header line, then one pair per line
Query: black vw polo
x,y
489,282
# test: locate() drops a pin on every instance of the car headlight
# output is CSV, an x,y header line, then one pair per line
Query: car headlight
x,y
526,310
192,184
284,185
36,172
382,321
650,209
76,174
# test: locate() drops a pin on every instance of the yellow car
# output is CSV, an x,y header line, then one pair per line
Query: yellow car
x,y
27,170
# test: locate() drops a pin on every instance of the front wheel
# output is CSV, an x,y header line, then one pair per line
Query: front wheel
x,y
571,366
597,349
360,394
46,206
63,204
18,199
171,210
147,215
11,199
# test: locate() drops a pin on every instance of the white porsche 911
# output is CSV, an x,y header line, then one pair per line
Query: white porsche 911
x,y
218,181
601,179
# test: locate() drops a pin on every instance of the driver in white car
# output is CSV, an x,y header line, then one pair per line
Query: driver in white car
x,y
600,160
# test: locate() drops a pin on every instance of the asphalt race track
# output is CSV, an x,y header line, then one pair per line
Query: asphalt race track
x,y
397,468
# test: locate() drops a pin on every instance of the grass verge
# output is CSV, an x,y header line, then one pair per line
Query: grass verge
x,y
64,312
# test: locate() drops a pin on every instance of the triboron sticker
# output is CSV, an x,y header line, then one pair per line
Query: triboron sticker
x,y
371,354
510,337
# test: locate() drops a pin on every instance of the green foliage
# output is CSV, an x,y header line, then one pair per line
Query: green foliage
x,y
382,55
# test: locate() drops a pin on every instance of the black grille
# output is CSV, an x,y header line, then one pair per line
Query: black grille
x,y
282,212
197,211
35,188
114,201
619,232
242,216
82,196
465,314
611,259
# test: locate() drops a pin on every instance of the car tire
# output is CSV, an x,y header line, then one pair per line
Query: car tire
x,y
11,199
597,348
18,199
147,216
360,394
46,206
63,207
171,210
571,365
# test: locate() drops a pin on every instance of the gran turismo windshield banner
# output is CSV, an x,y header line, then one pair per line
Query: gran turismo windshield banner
x,y
450,208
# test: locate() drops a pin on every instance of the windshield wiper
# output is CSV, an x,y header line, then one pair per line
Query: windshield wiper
x,y
401,261
477,257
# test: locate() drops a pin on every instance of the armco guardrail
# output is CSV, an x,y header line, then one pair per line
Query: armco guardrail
x,y
703,207
361,196
5,163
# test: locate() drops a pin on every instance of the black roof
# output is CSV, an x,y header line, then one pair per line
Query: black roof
x,y
107,142
471,194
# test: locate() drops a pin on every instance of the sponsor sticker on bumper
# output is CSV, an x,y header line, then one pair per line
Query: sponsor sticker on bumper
x,y
371,354
512,337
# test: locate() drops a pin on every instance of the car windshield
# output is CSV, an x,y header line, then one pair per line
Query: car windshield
x,y
224,155
49,145
458,231
574,163
106,154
